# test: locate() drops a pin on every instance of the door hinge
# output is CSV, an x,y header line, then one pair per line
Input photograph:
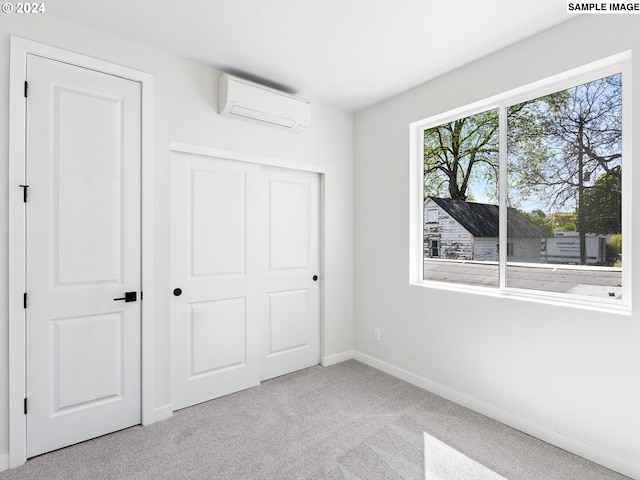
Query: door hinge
x,y
24,192
25,406
24,300
26,87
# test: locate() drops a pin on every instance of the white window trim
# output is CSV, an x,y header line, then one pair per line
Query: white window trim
x,y
602,68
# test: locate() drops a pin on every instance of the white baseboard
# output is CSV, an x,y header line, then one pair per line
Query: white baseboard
x,y
4,463
609,460
162,413
337,358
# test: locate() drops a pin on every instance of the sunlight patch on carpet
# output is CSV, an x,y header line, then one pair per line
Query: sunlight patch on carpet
x,y
441,462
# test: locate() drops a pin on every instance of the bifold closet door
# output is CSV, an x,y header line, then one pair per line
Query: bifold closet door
x,y
244,252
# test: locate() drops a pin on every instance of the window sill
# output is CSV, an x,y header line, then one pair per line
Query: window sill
x,y
561,300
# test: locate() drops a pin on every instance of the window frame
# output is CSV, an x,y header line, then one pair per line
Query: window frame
x,y
620,63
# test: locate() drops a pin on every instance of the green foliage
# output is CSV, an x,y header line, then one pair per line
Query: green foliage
x,y
579,133
464,152
603,203
540,219
614,248
616,242
528,152
564,222
460,152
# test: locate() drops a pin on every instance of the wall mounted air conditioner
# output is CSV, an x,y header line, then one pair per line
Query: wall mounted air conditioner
x,y
251,101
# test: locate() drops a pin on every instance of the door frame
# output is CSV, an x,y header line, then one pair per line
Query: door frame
x,y
20,48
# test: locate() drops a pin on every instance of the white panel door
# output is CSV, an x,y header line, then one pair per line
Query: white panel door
x,y
290,206
214,270
83,251
244,253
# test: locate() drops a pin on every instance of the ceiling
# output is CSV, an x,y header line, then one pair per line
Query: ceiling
x,y
348,53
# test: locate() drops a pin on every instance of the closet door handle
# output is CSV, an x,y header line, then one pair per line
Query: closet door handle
x,y
315,278
177,292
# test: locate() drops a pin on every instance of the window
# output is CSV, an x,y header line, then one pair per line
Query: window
x,y
434,248
538,171
431,215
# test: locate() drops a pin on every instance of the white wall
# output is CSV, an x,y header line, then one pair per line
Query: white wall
x,y
185,111
569,375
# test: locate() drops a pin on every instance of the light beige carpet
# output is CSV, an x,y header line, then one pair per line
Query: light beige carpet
x,y
345,422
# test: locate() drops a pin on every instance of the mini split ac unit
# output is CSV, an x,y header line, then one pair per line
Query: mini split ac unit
x,y
251,101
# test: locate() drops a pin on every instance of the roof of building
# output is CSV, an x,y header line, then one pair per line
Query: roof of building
x,y
482,220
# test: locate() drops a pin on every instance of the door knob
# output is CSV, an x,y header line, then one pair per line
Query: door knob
x,y
315,278
177,292
128,297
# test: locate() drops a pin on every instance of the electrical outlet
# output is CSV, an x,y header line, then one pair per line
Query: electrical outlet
x,y
376,334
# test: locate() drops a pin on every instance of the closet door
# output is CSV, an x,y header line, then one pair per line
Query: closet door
x,y
216,305
291,280
244,270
